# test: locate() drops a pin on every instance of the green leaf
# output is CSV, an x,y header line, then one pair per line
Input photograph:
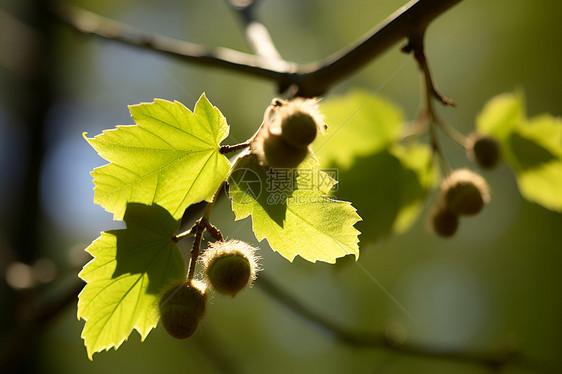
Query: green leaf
x,y
359,124
129,270
388,188
532,148
170,157
535,154
290,208
386,182
501,115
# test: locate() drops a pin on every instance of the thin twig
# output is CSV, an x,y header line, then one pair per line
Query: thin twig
x,y
256,33
492,360
429,117
196,249
308,81
186,234
91,23
199,228
452,132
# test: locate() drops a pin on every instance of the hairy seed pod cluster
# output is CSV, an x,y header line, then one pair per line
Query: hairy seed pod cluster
x,y
229,266
484,150
289,127
462,193
181,307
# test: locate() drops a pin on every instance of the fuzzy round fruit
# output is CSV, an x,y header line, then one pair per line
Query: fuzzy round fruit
x,y
277,153
230,266
288,129
299,129
485,150
444,223
464,192
298,121
182,307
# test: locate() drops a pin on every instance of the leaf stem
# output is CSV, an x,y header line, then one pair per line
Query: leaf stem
x,y
452,132
186,234
197,230
205,220
233,148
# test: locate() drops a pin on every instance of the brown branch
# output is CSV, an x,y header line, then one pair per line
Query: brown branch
x,y
416,46
196,248
428,115
233,148
405,22
308,81
90,23
492,360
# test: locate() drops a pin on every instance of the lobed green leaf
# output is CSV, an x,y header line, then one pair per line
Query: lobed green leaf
x,y
170,157
531,147
129,270
359,124
290,208
387,182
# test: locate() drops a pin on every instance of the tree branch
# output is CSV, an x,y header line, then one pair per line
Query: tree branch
x,y
256,33
90,23
492,360
410,20
308,81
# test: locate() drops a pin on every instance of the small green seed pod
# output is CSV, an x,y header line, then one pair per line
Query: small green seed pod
x,y
280,154
484,150
299,121
230,266
444,223
182,306
464,192
287,132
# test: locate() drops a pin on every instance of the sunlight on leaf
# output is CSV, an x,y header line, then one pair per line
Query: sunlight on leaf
x,y
501,115
359,124
531,147
170,157
386,182
290,208
389,188
129,270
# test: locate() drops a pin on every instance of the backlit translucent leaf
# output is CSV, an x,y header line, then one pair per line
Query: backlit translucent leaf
x,y
129,270
533,148
291,210
359,124
386,182
388,188
170,157
501,115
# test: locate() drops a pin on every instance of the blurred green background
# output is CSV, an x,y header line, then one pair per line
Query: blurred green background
x,y
495,285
